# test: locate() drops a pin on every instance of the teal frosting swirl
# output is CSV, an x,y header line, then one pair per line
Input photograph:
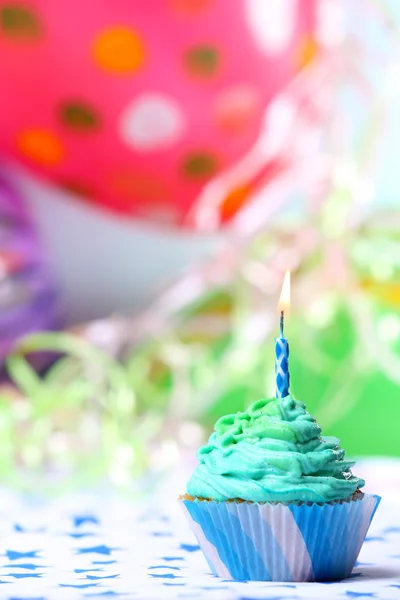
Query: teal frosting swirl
x,y
272,452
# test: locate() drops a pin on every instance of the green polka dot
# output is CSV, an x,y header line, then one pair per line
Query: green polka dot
x,y
78,115
202,61
18,21
200,164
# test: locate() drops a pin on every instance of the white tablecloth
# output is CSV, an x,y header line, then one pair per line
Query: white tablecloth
x,y
100,546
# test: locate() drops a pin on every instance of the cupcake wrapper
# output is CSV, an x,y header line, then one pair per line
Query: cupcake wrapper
x,y
281,542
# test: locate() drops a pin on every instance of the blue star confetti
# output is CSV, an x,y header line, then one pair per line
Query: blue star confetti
x,y
103,550
30,566
78,586
165,567
171,558
108,594
352,594
84,519
165,576
98,577
14,555
189,547
86,570
25,575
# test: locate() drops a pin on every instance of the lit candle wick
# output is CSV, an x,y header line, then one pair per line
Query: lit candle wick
x,y
282,344
282,322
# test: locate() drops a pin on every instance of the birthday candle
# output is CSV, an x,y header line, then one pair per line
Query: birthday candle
x,y
282,345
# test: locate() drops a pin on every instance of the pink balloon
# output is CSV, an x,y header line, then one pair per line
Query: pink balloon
x,y
136,106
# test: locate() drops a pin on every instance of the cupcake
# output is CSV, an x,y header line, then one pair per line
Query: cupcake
x,y
273,500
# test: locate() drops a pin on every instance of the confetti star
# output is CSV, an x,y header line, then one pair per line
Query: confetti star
x,y
19,529
102,549
82,586
29,566
26,598
78,536
392,530
85,570
285,585
165,567
14,555
269,598
108,593
96,577
189,547
360,595
24,575
83,519
209,588
164,576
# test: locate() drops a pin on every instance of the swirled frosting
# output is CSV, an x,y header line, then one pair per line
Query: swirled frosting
x,y
272,452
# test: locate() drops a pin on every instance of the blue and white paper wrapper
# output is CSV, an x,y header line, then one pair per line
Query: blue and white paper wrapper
x,y
281,542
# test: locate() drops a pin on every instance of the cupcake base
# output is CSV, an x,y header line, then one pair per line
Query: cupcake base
x,y
248,541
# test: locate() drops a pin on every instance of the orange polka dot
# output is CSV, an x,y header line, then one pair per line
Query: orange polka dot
x,y
119,50
189,7
139,186
40,145
306,53
234,201
144,195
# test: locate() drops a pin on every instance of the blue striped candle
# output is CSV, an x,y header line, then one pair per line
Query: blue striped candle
x,y
282,363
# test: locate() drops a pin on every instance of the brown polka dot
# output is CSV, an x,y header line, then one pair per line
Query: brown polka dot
x,y
78,115
18,21
199,165
189,7
76,188
202,61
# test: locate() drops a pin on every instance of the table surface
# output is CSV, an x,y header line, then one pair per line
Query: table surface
x,y
100,546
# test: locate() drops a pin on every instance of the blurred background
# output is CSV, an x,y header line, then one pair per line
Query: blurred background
x,y
162,165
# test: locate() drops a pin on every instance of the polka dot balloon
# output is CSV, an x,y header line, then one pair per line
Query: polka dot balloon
x,y
138,106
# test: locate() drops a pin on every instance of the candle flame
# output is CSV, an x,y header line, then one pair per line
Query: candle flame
x,y
284,299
